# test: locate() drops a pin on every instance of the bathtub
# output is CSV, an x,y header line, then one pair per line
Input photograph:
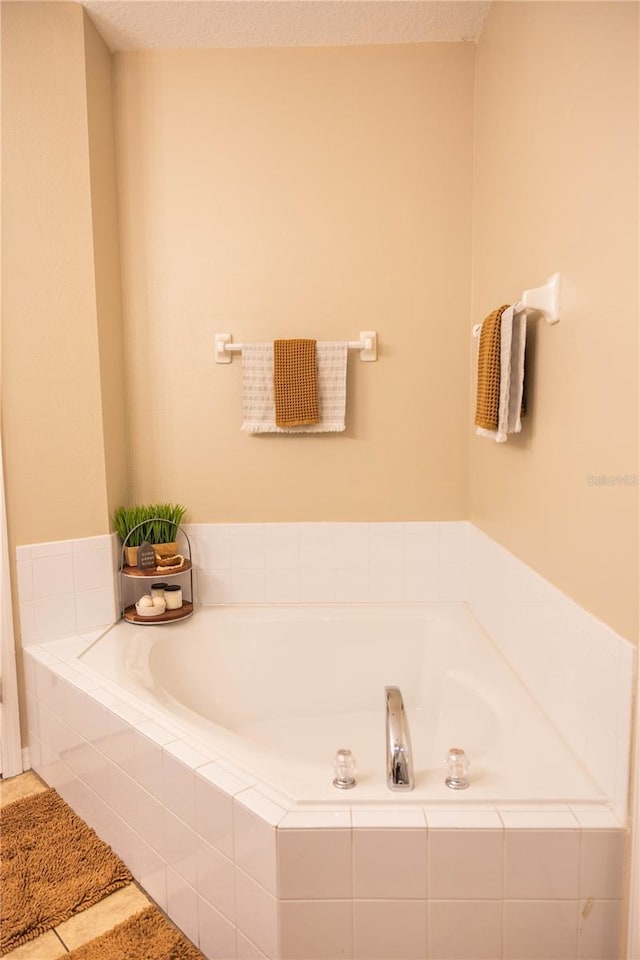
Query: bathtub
x,y
202,751
275,690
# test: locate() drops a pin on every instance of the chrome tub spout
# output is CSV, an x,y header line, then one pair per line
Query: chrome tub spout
x,y
399,759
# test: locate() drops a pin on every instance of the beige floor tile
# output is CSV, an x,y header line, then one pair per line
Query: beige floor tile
x,y
46,947
16,788
103,916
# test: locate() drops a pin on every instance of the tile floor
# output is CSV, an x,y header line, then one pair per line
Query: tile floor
x,y
94,921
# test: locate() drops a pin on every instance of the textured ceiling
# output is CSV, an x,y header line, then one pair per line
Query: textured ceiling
x,y
162,24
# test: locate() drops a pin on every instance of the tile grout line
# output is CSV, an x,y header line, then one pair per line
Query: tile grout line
x,y
61,940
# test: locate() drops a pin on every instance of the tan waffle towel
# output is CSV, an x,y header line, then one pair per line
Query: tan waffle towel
x,y
258,406
488,390
513,333
295,382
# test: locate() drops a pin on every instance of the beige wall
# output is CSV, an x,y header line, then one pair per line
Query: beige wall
x,y
556,189
52,405
106,250
298,192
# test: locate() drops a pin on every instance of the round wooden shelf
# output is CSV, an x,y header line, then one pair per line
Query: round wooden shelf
x,y
155,572
169,616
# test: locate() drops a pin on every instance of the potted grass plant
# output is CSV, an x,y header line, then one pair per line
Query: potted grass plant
x,y
163,527
155,523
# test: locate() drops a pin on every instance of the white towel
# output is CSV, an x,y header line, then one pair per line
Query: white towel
x,y
258,404
513,334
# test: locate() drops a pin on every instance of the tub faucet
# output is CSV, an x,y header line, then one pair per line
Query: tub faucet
x,y
399,760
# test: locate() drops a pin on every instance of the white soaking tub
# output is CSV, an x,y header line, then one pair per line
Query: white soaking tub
x,y
277,689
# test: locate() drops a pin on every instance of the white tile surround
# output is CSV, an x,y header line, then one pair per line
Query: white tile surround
x,y
329,562
66,587
247,875
580,672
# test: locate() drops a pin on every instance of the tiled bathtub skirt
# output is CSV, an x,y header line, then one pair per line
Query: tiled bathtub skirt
x,y
247,876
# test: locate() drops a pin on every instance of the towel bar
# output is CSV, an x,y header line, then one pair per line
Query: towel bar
x,y
367,345
545,299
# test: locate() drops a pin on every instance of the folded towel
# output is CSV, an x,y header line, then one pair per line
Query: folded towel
x,y
513,332
295,382
258,400
488,391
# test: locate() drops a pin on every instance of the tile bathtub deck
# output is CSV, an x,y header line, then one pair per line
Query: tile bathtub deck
x,y
93,922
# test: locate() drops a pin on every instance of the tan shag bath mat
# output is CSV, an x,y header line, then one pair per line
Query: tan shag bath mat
x,y
146,935
52,866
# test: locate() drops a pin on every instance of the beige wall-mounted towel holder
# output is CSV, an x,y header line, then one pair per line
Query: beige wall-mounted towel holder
x,y
367,345
544,299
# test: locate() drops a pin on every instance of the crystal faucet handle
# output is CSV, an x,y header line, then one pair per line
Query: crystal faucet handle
x,y
345,767
457,766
